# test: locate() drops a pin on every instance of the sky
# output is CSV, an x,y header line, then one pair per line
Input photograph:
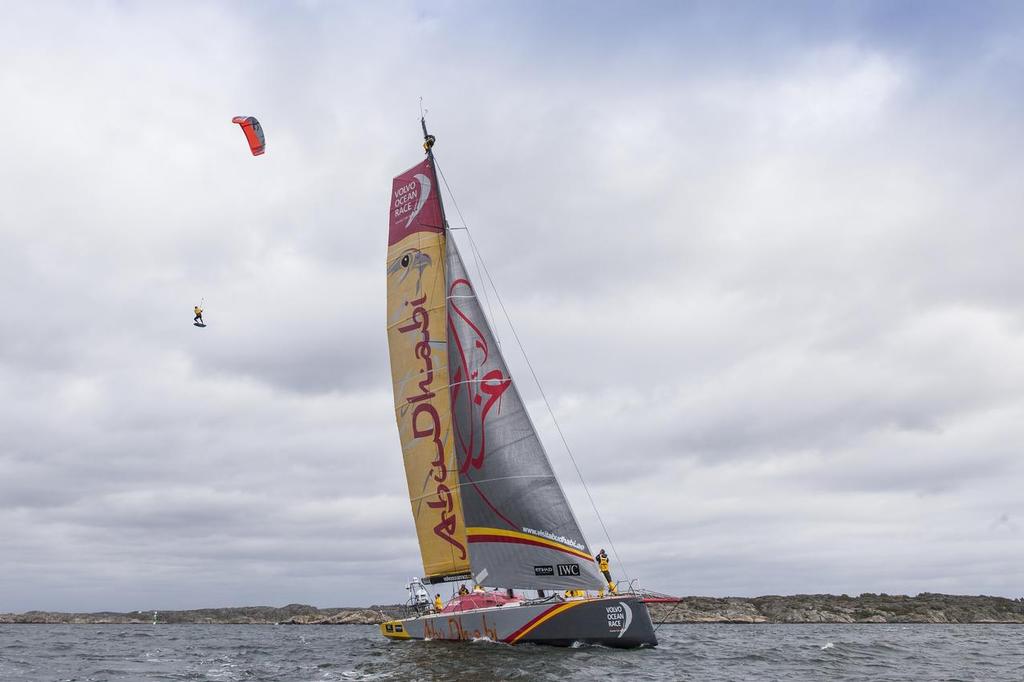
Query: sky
x,y
764,258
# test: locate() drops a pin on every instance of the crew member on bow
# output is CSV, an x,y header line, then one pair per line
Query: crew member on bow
x,y
438,604
602,564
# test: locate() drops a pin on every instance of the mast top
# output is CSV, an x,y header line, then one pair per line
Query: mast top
x,y
428,139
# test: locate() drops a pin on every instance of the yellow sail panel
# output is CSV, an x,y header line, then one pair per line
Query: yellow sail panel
x,y
417,340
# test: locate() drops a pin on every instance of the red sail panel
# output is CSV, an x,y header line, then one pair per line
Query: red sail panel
x,y
415,206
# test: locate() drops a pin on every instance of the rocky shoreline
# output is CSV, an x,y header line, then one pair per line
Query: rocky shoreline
x,y
801,608
826,608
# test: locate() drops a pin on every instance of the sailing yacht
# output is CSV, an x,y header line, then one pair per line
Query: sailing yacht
x,y
485,500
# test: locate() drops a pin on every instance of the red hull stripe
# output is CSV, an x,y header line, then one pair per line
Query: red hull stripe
x,y
524,541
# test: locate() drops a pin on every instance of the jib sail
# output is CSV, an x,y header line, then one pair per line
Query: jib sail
x,y
521,531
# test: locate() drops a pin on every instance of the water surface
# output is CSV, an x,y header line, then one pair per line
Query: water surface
x,y
95,653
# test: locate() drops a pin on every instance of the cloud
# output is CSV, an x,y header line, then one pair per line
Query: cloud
x,y
765,265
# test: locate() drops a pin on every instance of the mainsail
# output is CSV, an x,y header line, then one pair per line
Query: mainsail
x,y
483,492
417,339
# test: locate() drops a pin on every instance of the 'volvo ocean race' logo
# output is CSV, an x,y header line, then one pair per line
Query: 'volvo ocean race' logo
x,y
619,617
410,198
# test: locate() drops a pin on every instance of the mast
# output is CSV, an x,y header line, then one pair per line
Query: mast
x,y
428,147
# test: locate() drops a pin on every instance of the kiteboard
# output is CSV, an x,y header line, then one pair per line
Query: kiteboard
x,y
198,325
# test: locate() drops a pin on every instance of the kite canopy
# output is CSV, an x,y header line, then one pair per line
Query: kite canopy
x,y
253,133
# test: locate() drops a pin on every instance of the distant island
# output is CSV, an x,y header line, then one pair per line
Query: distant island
x,y
801,608
926,607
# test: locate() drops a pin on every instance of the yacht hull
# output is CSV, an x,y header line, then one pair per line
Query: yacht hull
x,y
621,622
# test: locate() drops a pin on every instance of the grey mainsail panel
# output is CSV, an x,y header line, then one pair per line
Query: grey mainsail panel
x,y
519,526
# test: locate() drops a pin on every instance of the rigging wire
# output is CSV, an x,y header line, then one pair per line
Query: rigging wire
x,y
480,263
668,615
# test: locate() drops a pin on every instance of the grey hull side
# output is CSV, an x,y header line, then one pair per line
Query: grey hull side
x,y
622,622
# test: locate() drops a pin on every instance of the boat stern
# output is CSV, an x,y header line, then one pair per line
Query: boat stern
x,y
394,629
611,621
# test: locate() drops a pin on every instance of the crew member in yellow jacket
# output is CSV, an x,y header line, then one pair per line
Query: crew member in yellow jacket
x,y
602,564
438,604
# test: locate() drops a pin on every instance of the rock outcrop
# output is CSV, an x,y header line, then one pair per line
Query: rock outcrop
x,y
826,608
293,614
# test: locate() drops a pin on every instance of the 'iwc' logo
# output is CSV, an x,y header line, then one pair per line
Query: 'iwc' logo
x,y
619,618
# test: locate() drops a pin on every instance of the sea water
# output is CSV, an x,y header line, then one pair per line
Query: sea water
x,y
95,653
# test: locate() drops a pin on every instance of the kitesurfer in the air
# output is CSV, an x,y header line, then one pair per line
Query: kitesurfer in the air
x,y
198,319
438,604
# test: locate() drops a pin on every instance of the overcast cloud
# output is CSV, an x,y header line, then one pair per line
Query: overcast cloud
x,y
764,259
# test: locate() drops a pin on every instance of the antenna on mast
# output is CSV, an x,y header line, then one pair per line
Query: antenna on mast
x,y
428,139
